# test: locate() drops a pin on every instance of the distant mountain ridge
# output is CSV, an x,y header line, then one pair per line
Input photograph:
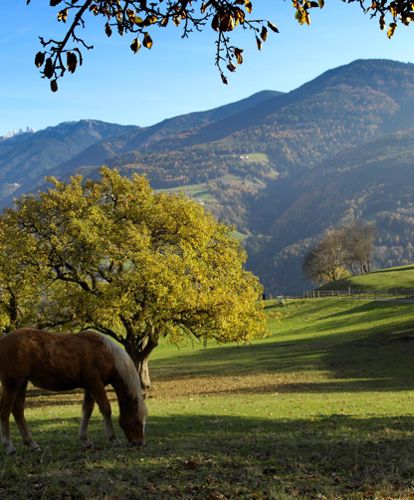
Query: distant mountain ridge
x,y
105,150
283,167
26,158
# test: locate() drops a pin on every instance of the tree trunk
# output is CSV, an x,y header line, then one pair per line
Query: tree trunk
x,y
140,356
12,312
144,375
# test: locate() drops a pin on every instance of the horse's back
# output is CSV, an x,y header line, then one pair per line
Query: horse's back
x,y
54,361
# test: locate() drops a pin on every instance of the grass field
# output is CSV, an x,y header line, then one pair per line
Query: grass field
x,y
321,408
401,278
256,158
199,192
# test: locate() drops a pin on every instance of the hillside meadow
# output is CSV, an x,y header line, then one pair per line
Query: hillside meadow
x,y
323,407
393,278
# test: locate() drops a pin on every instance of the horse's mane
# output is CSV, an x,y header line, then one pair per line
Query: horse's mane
x,y
125,368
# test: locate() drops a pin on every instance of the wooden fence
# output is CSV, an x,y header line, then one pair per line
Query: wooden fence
x,y
360,294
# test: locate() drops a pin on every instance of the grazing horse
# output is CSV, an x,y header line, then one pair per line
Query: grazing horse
x,y
60,362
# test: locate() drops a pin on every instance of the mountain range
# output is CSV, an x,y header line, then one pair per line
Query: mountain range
x,y
281,167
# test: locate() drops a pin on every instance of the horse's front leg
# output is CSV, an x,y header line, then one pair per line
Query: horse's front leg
x,y
18,414
99,394
87,409
6,403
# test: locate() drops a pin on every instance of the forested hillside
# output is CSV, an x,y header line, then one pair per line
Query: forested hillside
x,y
281,167
373,182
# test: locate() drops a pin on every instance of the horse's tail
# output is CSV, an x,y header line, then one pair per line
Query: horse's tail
x,y
127,371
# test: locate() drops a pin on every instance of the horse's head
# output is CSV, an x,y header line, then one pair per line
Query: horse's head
x,y
133,423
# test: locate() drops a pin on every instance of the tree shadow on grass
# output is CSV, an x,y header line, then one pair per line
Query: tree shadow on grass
x,y
203,456
42,398
381,308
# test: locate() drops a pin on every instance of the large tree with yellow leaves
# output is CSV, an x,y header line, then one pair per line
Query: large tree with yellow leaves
x,y
135,264
140,19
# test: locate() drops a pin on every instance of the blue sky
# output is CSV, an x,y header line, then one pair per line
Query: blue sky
x,y
176,76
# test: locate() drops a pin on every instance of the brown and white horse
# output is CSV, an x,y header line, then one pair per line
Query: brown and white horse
x,y
60,362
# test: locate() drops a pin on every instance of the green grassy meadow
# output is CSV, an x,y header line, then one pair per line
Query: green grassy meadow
x,y
199,192
323,407
400,278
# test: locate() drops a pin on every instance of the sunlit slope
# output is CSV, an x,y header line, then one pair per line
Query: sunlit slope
x,y
393,278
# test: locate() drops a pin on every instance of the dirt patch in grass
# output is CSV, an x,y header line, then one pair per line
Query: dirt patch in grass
x,y
191,386
225,385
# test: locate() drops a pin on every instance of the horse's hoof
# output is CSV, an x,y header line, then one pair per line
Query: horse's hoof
x,y
33,446
35,449
115,442
87,445
11,450
134,444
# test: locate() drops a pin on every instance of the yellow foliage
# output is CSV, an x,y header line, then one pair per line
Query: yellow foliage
x,y
137,264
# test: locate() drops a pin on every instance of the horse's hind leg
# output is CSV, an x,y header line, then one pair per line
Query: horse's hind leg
x,y
8,397
87,409
18,414
99,394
